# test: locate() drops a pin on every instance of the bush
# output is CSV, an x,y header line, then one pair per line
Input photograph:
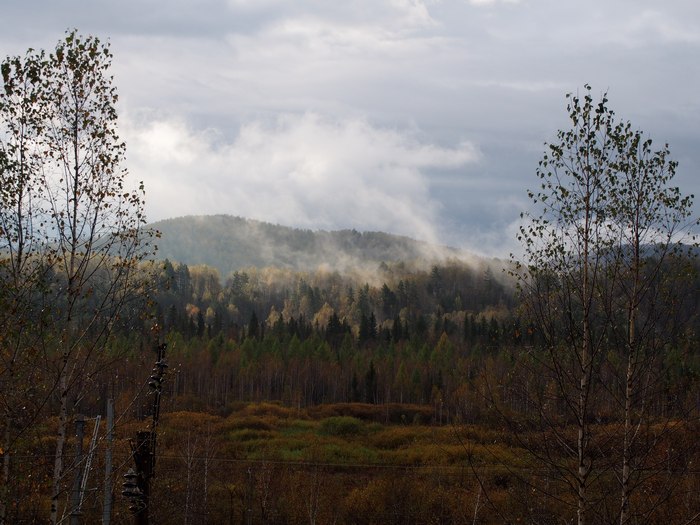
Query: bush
x,y
342,426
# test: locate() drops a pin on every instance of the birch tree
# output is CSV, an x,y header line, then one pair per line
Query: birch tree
x,y
651,227
73,209
22,265
593,281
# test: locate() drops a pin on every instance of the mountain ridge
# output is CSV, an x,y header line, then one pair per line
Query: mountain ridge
x,y
230,243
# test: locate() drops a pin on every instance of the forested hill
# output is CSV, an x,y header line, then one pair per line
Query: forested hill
x,y
231,243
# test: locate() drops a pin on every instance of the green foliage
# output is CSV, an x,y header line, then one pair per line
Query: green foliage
x,y
342,426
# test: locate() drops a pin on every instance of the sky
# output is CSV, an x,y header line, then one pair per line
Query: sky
x,y
424,118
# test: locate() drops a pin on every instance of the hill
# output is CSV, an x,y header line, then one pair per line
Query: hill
x,y
231,243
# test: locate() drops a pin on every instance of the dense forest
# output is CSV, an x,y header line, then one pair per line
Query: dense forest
x,y
281,379
421,336
321,337
314,379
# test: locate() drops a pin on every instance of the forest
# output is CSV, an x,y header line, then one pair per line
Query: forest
x,y
279,380
561,386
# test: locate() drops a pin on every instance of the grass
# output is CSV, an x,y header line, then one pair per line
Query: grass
x,y
348,434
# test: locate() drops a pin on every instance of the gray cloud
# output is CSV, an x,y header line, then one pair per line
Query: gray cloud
x,y
304,170
395,77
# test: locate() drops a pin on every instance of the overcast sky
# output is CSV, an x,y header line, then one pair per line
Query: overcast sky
x,y
419,117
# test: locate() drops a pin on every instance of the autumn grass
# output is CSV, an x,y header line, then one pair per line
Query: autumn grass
x,y
353,461
341,434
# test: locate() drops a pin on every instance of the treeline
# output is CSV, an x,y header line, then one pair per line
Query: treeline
x,y
450,336
194,300
412,336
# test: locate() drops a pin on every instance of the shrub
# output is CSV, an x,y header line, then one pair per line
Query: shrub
x,y
342,426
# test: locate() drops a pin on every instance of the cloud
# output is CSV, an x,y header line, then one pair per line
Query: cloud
x,y
491,2
390,14
651,26
491,71
414,13
303,170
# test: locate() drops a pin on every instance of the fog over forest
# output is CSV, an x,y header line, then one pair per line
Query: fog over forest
x,y
233,243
